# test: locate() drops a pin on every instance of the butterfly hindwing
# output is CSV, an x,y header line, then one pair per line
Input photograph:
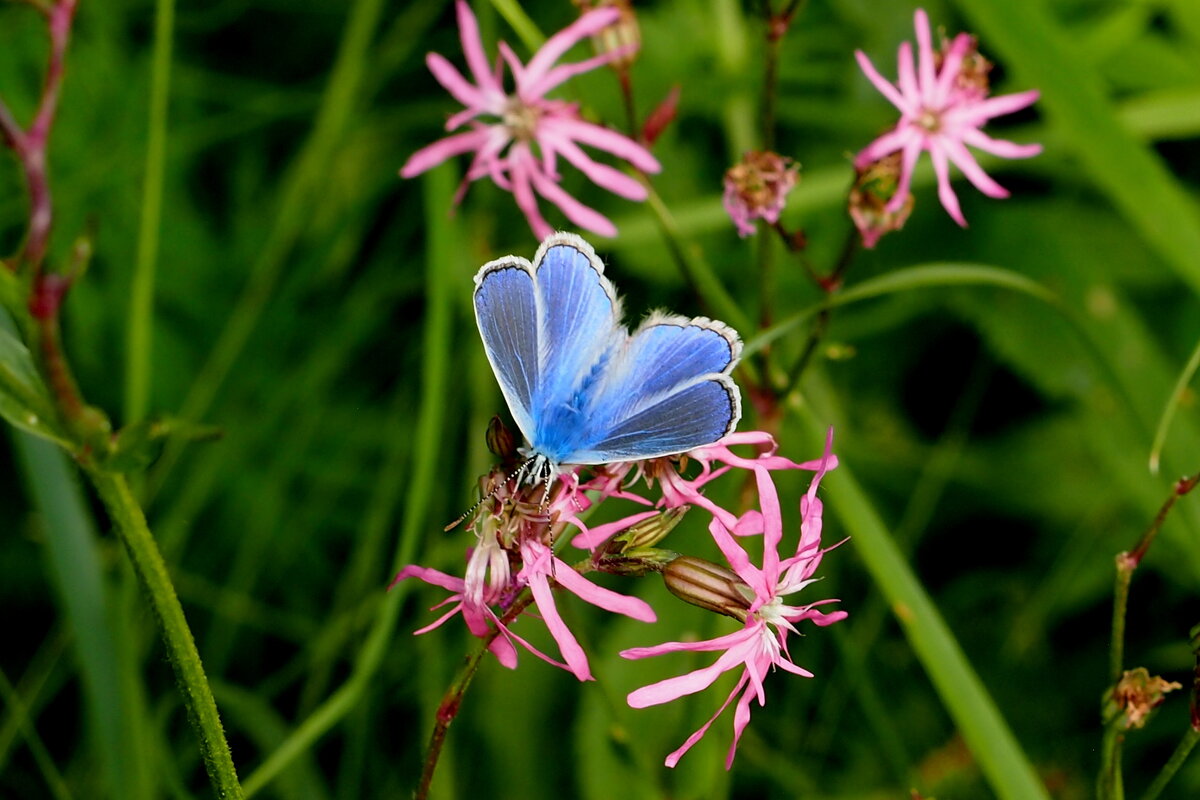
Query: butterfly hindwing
x,y
666,392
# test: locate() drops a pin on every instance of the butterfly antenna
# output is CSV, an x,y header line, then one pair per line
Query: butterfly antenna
x,y
466,514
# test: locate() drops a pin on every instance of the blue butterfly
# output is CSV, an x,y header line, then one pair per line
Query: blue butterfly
x,y
582,388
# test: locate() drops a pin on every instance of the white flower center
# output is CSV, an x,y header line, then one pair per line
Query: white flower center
x,y
521,120
929,120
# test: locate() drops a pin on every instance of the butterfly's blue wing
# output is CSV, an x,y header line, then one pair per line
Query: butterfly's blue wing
x,y
507,314
668,390
547,328
584,391
578,317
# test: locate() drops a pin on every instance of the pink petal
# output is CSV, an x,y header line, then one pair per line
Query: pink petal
x,y
925,57
577,212
514,63
504,652
602,175
599,534
739,560
598,596
443,149
879,82
519,165
966,162
951,66
912,150
567,644
458,87
907,75
431,576
674,757
741,718
558,44
604,139
885,145
472,47
728,641
795,669
768,501
681,685
945,191
999,147
977,113
437,623
563,72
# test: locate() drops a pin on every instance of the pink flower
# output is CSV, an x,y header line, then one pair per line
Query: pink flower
x,y
761,644
517,138
517,530
942,110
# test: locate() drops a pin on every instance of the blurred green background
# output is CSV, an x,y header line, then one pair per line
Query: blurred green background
x,y
316,309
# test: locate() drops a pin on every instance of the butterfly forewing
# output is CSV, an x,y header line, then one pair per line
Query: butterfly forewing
x,y
578,320
506,312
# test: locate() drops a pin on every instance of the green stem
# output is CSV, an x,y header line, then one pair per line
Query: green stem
x,y
1173,764
130,525
1110,784
1116,659
695,269
141,291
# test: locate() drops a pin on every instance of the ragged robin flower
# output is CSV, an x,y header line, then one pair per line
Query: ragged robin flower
x,y
943,103
760,600
518,137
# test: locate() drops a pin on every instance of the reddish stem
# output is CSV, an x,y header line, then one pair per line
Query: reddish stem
x,y
30,145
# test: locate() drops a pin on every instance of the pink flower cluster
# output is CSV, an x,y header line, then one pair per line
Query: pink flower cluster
x,y
518,137
513,553
943,103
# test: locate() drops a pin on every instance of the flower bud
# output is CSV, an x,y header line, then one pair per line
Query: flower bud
x,y
708,585
873,188
623,35
500,440
632,552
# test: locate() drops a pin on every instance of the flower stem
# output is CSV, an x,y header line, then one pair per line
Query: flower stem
x,y
130,525
1182,751
1128,562
695,269
1109,785
452,700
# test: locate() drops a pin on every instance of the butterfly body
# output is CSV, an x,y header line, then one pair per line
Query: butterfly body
x,y
583,389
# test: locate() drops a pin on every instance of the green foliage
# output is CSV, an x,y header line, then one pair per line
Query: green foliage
x,y
994,391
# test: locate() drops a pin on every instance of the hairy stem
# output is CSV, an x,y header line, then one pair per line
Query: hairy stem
x,y
130,525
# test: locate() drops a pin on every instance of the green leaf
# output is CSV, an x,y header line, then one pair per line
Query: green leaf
x,y
136,446
1135,179
963,694
23,398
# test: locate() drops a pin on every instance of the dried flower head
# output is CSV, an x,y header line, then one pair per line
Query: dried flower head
x,y
757,188
1138,693
870,199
